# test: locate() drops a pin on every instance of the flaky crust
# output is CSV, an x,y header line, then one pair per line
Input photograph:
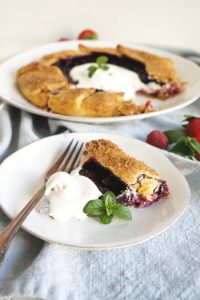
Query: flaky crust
x,y
69,101
159,68
110,156
88,50
37,83
85,103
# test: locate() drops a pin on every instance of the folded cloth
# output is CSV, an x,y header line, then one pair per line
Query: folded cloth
x,y
166,267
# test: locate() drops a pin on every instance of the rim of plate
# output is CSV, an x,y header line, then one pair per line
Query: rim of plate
x,y
59,46
111,246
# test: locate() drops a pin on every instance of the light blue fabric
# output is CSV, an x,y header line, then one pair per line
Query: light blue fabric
x,y
166,267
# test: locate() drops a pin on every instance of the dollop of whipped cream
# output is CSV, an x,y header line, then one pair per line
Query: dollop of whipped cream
x,y
115,79
67,194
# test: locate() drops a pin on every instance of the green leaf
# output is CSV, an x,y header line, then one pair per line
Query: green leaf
x,y
122,211
195,145
173,135
105,219
104,68
101,60
91,71
94,207
185,146
109,200
180,147
188,117
109,196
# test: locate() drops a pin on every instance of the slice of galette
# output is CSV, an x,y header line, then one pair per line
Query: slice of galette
x,y
111,169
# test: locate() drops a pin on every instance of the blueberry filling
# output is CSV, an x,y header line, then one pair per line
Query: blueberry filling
x,y
105,180
68,63
129,198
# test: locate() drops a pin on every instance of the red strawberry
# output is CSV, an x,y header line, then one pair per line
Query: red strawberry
x,y
63,39
197,156
193,128
158,139
88,34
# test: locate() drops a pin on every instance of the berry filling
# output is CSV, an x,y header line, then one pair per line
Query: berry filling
x,y
70,62
168,89
130,198
105,180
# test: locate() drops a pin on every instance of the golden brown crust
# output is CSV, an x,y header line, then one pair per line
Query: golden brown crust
x,y
69,101
102,104
122,165
37,83
87,50
85,102
30,67
127,108
50,59
159,68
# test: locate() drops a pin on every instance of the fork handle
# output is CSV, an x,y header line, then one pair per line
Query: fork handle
x,y
8,233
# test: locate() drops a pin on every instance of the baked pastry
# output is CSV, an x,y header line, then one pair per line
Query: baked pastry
x,y
60,83
160,70
132,181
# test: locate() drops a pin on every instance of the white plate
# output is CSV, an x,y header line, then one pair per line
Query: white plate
x,y
187,71
22,174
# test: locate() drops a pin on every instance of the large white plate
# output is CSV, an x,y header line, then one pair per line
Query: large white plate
x,y
187,71
22,174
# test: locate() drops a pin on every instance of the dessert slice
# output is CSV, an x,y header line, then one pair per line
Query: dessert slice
x,y
132,181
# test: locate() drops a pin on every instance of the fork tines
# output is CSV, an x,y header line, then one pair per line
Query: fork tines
x,y
72,158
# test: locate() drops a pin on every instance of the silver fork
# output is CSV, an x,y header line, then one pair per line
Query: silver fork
x,y
65,162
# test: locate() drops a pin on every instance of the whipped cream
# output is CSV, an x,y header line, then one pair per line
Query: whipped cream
x,y
67,194
115,79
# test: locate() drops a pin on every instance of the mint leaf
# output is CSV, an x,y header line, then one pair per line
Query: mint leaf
x,y
105,219
104,68
122,211
173,135
101,60
91,71
94,207
110,196
109,199
106,207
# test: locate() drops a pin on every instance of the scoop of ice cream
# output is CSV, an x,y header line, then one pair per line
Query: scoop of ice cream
x,y
67,194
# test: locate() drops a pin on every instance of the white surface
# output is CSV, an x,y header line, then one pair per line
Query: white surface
x,y
166,22
187,71
20,177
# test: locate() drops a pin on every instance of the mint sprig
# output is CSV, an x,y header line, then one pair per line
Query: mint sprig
x,y
101,62
106,208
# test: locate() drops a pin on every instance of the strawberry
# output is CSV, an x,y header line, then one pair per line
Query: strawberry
x,y
193,128
88,34
197,156
158,139
64,38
